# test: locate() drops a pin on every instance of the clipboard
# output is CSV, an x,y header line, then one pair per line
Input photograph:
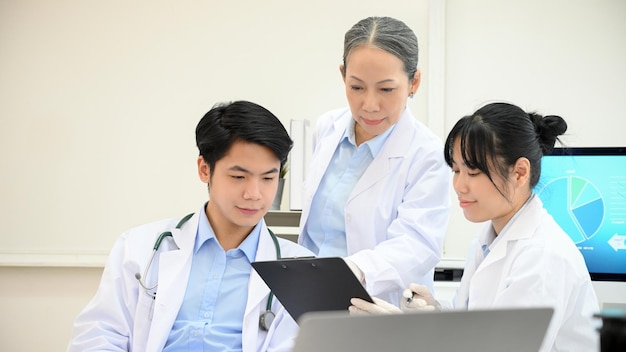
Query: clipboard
x,y
310,284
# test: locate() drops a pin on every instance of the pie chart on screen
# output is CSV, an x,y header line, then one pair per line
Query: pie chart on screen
x,y
576,205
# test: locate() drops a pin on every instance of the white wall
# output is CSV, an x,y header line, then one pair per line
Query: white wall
x,y
99,101
39,304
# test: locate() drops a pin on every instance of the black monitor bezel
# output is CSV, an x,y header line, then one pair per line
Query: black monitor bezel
x,y
589,151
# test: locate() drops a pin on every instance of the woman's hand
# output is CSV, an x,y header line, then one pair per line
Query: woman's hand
x,y
415,298
360,306
418,297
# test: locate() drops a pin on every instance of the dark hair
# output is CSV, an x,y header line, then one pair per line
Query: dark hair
x,y
499,133
388,34
227,123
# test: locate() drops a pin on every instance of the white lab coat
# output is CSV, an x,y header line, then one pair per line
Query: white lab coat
x,y
123,317
397,213
535,265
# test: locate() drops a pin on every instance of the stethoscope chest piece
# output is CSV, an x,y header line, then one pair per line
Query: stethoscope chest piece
x,y
266,319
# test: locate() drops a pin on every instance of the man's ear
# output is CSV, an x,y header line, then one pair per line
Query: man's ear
x,y
342,70
204,171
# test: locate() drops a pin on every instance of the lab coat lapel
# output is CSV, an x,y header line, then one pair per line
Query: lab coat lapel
x,y
496,253
487,275
257,288
392,151
327,146
523,227
257,292
174,268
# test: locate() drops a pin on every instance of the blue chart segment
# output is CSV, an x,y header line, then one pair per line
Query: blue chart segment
x,y
576,205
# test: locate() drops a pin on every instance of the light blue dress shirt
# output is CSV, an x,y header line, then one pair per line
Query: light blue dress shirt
x,y
327,234
211,316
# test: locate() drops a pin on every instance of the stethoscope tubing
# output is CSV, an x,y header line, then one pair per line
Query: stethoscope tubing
x,y
266,318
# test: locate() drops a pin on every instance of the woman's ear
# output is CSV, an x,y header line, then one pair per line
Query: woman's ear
x,y
415,82
342,70
521,171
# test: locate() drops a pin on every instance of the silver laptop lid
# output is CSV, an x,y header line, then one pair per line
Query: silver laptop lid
x,y
478,330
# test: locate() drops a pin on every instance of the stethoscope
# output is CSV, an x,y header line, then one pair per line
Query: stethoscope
x,y
266,318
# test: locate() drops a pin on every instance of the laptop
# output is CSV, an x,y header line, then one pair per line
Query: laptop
x,y
498,330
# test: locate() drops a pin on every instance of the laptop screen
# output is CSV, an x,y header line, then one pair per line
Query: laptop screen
x,y
584,189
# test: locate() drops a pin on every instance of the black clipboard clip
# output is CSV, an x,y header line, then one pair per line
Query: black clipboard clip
x,y
296,258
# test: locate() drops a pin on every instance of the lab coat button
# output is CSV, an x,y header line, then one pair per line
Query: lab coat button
x,y
348,217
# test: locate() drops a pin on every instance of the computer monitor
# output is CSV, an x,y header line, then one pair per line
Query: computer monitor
x,y
584,189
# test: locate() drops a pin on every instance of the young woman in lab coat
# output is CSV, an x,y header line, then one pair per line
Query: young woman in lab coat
x,y
377,193
521,258
207,297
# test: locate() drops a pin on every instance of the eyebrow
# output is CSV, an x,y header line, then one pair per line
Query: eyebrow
x,y
388,80
241,169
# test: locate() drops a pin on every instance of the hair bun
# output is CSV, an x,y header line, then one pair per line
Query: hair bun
x,y
548,129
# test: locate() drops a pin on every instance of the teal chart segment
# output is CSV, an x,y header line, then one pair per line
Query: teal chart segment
x,y
576,205
586,196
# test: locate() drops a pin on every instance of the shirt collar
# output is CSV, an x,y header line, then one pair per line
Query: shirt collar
x,y
251,243
490,240
205,233
374,145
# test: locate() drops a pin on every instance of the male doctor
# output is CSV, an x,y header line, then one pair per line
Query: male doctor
x,y
199,292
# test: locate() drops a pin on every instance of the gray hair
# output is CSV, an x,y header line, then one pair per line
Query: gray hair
x,y
388,34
